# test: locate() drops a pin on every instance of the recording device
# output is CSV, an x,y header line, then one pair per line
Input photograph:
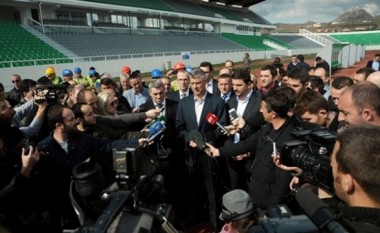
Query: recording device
x,y
135,204
212,119
50,92
156,130
318,212
44,148
157,119
233,113
197,137
281,220
311,153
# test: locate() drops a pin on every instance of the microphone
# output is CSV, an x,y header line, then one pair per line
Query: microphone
x,y
318,212
160,118
212,119
198,139
156,130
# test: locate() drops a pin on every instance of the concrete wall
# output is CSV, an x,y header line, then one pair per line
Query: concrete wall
x,y
144,64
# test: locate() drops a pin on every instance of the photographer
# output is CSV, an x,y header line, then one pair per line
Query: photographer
x,y
17,212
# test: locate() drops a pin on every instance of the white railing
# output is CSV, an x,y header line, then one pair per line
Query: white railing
x,y
315,37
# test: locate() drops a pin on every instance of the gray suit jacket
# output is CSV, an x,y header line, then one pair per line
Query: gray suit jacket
x,y
130,96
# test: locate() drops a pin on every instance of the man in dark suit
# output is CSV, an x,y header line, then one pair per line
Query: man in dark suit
x,y
169,148
375,63
191,115
183,81
247,104
225,87
211,84
169,110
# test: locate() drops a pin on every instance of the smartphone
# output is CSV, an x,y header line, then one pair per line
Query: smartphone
x,y
233,113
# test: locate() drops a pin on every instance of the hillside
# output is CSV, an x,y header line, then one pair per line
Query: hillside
x,y
353,20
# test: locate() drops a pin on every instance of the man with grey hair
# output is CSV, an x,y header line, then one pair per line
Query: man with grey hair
x,y
191,115
168,110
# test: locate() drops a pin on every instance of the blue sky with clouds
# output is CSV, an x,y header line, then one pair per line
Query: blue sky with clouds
x,y
300,11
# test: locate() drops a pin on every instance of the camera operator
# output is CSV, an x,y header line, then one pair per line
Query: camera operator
x,y
269,184
67,148
314,108
355,164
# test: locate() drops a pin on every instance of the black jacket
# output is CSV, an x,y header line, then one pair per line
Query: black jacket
x,y
269,184
54,171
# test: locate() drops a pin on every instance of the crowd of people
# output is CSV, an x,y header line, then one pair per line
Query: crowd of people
x,y
51,125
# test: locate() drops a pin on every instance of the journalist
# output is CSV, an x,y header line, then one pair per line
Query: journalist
x,y
67,148
268,183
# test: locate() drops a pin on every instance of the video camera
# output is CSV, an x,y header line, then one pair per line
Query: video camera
x,y
51,92
136,203
311,153
315,217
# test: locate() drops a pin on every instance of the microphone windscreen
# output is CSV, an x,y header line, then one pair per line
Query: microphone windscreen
x,y
309,202
198,139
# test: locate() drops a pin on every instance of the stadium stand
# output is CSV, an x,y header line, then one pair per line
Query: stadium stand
x,y
296,41
359,38
21,47
188,7
148,4
114,44
227,14
253,42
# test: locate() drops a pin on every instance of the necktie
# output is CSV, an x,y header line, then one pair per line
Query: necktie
x,y
159,106
224,97
183,95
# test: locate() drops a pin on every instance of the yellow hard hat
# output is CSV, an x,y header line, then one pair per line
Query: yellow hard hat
x,y
50,70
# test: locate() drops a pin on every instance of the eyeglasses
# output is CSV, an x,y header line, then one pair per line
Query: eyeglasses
x,y
114,103
15,81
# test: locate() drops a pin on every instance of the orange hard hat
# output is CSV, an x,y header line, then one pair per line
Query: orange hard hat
x,y
126,70
178,66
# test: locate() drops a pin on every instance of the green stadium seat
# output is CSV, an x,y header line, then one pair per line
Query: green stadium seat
x,y
21,47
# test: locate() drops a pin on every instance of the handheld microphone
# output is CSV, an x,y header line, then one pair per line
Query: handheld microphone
x,y
318,211
212,119
198,139
157,119
156,130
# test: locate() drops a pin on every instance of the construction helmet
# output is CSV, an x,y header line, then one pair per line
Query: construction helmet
x,y
156,73
78,70
49,71
67,72
126,70
189,69
178,66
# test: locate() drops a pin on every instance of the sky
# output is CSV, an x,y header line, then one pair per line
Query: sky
x,y
321,11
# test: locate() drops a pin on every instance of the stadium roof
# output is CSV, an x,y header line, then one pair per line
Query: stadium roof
x,y
244,3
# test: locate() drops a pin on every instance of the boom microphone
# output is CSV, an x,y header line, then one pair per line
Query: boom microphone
x,y
212,119
318,212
